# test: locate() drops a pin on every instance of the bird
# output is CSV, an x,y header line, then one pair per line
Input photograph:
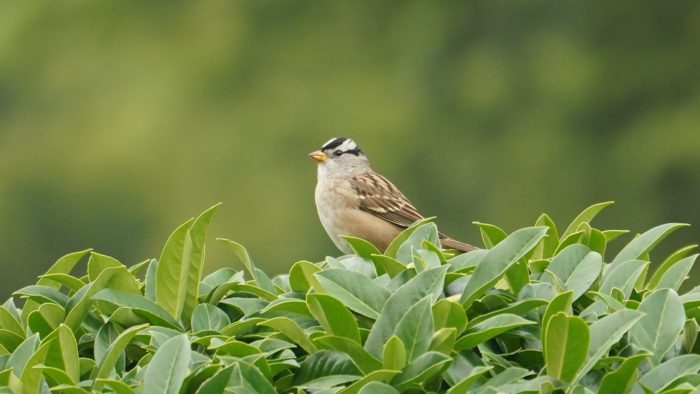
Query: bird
x,y
354,200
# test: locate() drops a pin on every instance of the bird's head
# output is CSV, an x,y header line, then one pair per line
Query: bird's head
x,y
340,155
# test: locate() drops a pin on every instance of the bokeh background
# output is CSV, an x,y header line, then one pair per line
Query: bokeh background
x,y
119,120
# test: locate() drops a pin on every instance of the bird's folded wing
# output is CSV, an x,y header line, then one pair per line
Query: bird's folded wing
x,y
381,198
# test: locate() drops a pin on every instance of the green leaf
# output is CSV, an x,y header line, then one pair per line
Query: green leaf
x,y
516,308
209,317
429,282
112,355
42,294
324,363
675,275
364,361
193,270
443,340
548,245
490,328
9,322
663,322
505,377
382,376
623,378
173,270
645,243
356,291
387,265
604,333
447,314
394,355
361,247
565,346
463,386
63,353
415,329
407,249
659,377
116,278
393,248
301,276
491,235
614,234
71,282
333,316
497,260
378,388
577,268
291,330
623,276
168,368
423,368
31,376
140,305
586,216
262,280
19,357
670,261
560,303
100,262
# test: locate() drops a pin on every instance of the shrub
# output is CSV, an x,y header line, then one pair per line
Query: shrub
x,y
536,311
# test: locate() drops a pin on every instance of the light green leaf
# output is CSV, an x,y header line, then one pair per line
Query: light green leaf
x,y
497,260
378,388
423,368
322,364
193,270
623,276
565,346
333,316
361,247
301,276
140,305
356,291
168,368
209,317
623,378
491,235
671,260
604,333
659,377
577,268
429,282
645,243
393,248
112,355
548,245
675,275
586,216
447,314
415,329
262,280
464,385
63,353
381,375
173,269
394,355
490,328
19,357
291,330
364,361
659,329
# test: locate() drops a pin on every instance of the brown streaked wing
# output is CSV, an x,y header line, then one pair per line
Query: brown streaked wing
x,y
381,198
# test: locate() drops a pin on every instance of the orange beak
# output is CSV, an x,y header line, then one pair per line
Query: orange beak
x,y
318,156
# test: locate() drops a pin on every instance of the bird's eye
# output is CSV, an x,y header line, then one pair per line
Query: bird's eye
x,y
338,152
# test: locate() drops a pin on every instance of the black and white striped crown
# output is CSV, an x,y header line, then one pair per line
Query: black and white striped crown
x,y
342,144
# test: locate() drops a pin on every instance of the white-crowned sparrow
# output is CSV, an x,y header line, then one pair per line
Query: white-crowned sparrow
x,y
352,199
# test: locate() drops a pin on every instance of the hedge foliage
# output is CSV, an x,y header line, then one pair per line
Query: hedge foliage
x,y
537,310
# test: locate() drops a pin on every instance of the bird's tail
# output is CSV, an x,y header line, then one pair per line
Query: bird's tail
x,y
450,243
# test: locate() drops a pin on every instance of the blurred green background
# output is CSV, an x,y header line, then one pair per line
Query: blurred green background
x,y
119,120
